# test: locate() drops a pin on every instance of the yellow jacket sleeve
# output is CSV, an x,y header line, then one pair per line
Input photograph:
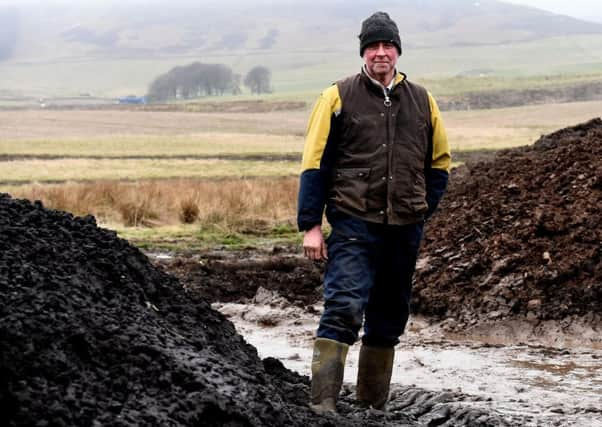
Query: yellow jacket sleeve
x,y
318,127
441,152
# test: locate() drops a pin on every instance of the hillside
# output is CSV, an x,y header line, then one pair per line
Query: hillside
x,y
112,47
127,29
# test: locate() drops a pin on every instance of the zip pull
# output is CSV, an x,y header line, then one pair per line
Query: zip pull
x,y
387,99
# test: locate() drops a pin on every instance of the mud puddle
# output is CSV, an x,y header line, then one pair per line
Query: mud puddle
x,y
544,386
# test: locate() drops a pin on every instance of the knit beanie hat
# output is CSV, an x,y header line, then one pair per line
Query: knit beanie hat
x,y
379,28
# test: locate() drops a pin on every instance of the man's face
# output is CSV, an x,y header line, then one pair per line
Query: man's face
x,y
380,58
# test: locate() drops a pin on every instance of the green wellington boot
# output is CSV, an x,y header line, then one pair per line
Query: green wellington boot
x,y
374,375
327,367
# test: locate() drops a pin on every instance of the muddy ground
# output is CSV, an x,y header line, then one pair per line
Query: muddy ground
x,y
515,238
92,333
511,261
519,368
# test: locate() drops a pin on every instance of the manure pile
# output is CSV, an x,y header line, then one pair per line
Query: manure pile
x,y
92,334
520,236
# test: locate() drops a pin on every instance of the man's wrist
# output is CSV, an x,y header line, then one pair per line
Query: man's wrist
x,y
307,227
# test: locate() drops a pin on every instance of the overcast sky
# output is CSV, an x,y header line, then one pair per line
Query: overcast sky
x,y
585,9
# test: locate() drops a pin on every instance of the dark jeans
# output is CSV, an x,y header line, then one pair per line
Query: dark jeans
x,y
368,277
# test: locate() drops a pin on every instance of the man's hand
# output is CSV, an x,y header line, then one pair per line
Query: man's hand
x,y
314,245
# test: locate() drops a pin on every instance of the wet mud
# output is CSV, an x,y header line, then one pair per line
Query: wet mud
x,y
511,260
536,385
91,333
536,373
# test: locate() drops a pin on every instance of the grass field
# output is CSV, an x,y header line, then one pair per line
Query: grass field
x,y
148,173
63,125
155,136
512,127
459,85
302,73
201,144
125,158
28,171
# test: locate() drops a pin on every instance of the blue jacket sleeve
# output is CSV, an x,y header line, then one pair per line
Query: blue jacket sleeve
x,y
317,159
312,198
437,172
436,183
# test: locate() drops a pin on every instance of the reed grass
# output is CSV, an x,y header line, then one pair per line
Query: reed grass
x,y
252,206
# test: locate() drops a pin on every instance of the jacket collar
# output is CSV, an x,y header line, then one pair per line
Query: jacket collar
x,y
398,78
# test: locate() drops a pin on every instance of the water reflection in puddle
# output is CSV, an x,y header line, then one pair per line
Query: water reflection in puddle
x,y
552,387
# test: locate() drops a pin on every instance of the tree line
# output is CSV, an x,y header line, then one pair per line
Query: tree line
x,y
197,80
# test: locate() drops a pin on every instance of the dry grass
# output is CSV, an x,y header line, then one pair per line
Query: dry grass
x,y
138,207
189,210
252,205
246,205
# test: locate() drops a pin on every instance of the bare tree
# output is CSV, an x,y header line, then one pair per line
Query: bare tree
x,y
259,80
162,89
193,81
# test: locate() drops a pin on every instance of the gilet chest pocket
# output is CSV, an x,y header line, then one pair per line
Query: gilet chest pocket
x,y
350,187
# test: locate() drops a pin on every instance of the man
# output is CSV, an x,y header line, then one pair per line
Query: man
x,y
376,157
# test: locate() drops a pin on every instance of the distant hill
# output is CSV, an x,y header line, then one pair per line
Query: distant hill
x,y
178,27
59,44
